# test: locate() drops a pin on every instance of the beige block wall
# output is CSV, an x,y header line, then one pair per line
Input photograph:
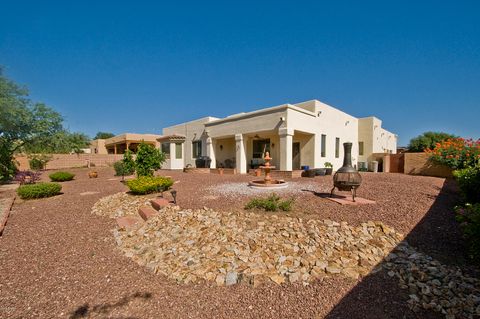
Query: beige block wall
x,y
60,161
419,164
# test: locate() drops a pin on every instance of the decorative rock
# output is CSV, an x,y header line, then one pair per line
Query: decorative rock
x,y
127,222
146,212
220,280
159,203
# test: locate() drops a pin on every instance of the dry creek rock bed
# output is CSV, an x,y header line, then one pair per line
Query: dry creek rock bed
x,y
227,248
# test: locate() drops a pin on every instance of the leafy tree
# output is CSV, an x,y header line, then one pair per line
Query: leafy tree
x,y
21,122
428,140
103,135
62,142
148,160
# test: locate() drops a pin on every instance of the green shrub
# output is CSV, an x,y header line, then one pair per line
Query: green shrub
x,y
39,190
39,161
468,180
149,184
271,203
121,169
148,160
469,219
128,162
61,176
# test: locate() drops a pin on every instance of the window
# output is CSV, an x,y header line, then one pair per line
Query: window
x,y
196,149
178,150
323,152
337,147
260,147
360,148
165,147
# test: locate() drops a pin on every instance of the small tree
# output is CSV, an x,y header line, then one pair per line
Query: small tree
x,y
427,140
148,160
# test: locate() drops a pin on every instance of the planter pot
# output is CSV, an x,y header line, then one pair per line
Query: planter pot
x,y
220,171
93,174
328,171
310,173
320,171
258,172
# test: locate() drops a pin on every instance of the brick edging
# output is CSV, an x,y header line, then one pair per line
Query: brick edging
x,y
6,213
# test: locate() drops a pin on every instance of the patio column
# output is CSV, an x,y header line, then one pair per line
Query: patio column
x,y
240,154
211,152
317,151
115,149
286,140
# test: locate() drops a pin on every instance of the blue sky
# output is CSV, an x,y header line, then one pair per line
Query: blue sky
x,y
139,66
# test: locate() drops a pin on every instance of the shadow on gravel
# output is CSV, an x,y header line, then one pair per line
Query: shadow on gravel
x,y
86,310
378,295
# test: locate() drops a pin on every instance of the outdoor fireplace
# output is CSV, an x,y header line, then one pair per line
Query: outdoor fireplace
x,y
347,178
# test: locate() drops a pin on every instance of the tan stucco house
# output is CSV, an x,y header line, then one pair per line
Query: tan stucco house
x,y
120,143
308,133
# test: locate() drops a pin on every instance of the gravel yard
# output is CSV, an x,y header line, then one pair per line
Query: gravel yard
x,y
59,260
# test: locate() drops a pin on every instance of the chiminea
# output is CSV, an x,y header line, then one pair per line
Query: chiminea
x,y
347,178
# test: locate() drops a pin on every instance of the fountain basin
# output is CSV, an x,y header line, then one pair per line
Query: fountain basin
x,y
262,184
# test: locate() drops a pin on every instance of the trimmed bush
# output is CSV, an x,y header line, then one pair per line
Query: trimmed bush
x,y
39,190
270,204
61,176
469,219
147,184
468,180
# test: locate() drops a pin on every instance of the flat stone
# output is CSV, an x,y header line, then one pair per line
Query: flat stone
x,y
146,212
159,203
128,222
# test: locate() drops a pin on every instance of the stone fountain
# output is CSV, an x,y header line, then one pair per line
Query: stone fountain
x,y
267,182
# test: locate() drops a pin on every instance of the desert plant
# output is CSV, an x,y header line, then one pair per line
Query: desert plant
x,y
27,177
39,190
61,176
271,203
468,180
469,219
148,160
149,184
328,164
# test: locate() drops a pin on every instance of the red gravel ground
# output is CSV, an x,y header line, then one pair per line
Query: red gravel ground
x,y
59,260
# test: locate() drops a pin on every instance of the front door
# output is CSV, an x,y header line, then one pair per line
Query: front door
x,y
296,155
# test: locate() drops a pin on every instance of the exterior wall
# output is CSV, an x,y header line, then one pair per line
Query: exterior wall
x,y
376,139
255,122
172,162
73,160
193,131
98,147
227,151
331,122
418,164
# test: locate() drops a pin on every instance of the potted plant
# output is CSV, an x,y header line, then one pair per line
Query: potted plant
x,y
328,168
